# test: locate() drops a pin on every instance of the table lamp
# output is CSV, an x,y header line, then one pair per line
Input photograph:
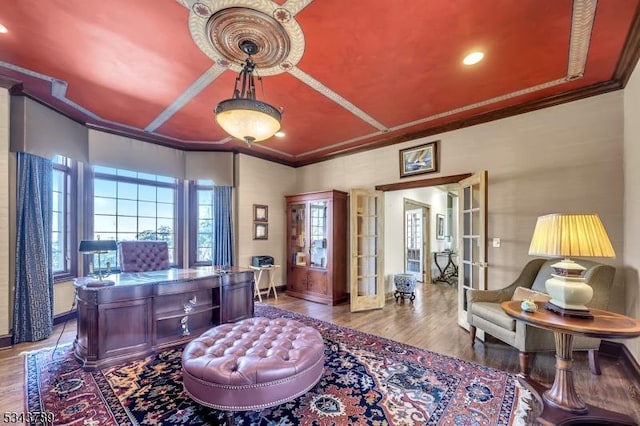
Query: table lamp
x,y
98,247
569,235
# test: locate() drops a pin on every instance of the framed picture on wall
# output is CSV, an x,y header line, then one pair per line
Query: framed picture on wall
x,y
419,159
260,231
260,213
440,226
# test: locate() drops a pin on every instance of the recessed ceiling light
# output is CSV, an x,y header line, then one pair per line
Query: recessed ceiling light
x,y
3,29
279,134
473,58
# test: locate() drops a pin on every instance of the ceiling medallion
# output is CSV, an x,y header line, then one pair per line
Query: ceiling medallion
x,y
201,10
229,28
219,27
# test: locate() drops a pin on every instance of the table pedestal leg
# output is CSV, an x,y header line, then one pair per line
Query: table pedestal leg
x,y
563,392
561,405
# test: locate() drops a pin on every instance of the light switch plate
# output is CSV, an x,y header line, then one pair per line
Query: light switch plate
x,y
496,242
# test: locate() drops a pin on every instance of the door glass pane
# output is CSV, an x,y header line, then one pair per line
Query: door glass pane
x,y
318,237
475,225
366,286
298,243
413,249
467,198
467,223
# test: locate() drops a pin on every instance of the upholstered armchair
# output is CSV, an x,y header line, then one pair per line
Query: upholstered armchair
x,y
484,311
143,255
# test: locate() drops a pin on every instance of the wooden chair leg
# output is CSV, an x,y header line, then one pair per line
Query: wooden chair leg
x,y
523,357
472,333
594,362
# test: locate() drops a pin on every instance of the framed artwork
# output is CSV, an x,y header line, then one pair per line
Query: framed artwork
x,y
440,226
260,213
419,159
260,231
301,259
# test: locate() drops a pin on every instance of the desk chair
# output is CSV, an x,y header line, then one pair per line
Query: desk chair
x,y
143,256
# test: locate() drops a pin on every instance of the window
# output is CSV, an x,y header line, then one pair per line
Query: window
x,y
63,241
129,205
201,222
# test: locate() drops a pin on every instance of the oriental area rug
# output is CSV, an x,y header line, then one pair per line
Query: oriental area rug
x,y
368,380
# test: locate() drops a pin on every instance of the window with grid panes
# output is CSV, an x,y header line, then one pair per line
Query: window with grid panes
x,y
201,223
63,244
130,205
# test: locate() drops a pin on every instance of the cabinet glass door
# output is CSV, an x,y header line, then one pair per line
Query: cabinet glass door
x,y
318,230
298,242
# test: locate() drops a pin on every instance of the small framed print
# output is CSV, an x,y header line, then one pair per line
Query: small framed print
x,y
260,231
419,159
301,259
260,213
440,226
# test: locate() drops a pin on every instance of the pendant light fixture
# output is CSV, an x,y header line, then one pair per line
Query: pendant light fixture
x,y
243,116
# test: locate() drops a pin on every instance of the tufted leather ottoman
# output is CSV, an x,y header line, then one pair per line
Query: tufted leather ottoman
x,y
252,364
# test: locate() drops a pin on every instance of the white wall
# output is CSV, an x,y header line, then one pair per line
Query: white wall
x,y
5,236
266,183
566,158
632,201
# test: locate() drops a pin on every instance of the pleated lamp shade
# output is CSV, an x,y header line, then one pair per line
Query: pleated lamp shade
x,y
570,235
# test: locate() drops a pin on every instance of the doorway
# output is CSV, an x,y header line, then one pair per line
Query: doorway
x,y
447,206
416,240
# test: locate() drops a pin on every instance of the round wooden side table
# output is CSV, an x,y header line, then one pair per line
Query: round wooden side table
x,y
562,404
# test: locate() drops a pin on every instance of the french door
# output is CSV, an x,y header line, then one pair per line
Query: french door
x,y
472,240
367,230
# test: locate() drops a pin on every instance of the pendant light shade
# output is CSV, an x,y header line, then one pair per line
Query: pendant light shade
x,y
243,116
248,119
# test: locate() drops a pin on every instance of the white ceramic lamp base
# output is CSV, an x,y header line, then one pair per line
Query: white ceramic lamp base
x,y
569,293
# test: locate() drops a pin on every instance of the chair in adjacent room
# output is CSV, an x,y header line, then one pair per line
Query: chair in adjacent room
x,y
143,256
485,313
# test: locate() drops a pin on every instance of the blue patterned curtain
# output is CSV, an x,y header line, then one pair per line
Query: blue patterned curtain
x,y
222,226
33,304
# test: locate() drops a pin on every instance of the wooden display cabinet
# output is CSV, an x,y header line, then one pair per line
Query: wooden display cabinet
x,y
316,246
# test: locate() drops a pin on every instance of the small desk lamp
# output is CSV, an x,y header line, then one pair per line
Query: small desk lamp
x,y
569,235
98,247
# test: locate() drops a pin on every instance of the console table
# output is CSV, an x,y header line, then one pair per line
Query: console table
x,y
148,311
448,273
561,403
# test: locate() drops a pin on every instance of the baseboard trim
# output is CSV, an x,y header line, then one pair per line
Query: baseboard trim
x,y
60,318
620,352
6,341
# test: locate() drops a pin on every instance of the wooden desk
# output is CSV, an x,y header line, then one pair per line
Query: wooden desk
x,y
148,311
562,404
257,270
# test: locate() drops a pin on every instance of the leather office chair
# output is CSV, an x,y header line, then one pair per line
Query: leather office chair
x,y
143,255
484,311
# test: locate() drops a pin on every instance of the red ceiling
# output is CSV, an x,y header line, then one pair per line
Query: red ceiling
x,y
394,67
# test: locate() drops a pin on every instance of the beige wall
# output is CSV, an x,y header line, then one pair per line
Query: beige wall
x,y
4,213
566,158
262,182
631,161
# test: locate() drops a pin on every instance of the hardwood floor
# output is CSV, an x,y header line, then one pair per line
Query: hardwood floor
x,y
429,323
